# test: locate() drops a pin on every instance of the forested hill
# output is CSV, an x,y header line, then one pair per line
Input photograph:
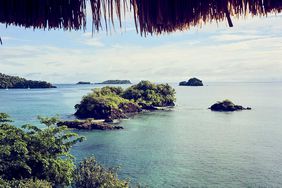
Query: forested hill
x,y
7,81
116,82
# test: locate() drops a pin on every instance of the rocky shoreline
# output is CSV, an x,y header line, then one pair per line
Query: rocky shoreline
x,y
89,124
109,123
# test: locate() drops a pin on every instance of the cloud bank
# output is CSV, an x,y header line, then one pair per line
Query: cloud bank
x,y
251,51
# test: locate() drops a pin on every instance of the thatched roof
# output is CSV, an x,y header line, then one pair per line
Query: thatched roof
x,y
151,16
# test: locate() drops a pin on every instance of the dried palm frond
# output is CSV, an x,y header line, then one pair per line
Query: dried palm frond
x,y
151,16
157,16
66,14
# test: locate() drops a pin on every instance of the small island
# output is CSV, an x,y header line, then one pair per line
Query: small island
x,y
192,82
227,106
83,83
116,82
112,103
15,82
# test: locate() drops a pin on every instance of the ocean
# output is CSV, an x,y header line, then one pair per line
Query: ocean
x,y
188,146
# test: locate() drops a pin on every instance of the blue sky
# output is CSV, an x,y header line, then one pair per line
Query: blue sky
x,y
250,51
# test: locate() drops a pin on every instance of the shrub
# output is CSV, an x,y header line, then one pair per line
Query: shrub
x,y
30,152
4,118
102,103
26,183
91,174
149,94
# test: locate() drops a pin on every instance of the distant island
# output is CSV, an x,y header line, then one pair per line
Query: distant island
x,y
112,103
81,83
192,82
15,82
116,82
227,106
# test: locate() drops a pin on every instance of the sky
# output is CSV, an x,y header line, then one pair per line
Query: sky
x,y
251,51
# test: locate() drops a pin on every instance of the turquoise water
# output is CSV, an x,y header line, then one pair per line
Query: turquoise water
x,y
188,146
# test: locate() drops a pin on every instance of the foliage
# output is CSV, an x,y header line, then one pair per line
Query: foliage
x,y
7,81
101,104
39,158
114,102
4,118
26,183
30,152
91,174
149,94
111,90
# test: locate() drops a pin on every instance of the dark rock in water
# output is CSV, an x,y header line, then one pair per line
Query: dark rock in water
x,y
192,82
83,83
227,106
183,83
88,124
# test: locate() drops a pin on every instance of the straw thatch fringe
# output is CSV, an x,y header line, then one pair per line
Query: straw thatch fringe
x,y
157,16
66,14
151,16
107,10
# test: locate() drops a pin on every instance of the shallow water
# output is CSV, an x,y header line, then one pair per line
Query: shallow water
x,y
187,146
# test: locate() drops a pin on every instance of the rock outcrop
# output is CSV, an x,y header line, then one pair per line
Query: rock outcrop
x,y
89,124
227,106
192,82
110,103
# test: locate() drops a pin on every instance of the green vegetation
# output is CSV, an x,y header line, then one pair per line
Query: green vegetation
x,y
4,118
116,82
147,94
25,183
17,82
105,103
29,152
115,103
90,174
33,157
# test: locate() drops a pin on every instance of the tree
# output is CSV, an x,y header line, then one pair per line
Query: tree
x,y
25,183
7,81
91,174
30,152
115,103
105,103
4,118
146,93
31,157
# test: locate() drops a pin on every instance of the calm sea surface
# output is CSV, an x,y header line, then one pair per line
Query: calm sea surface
x,y
189,146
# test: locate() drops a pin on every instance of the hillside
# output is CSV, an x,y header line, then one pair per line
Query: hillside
x,y
16,82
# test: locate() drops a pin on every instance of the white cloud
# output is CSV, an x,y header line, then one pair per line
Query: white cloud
x,y
249,52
